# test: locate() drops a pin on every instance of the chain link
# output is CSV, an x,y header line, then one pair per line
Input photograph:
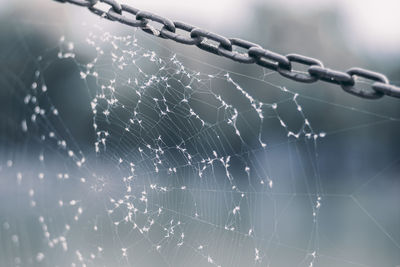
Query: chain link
x,y
124,20
387,89
254,53
80,3
239,57
167,24
331,76
268,59
367,74
178,37
297,75
114,5
223,43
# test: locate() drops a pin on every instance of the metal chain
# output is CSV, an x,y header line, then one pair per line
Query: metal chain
x,y
254,53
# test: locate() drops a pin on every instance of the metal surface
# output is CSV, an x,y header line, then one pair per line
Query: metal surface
x,y
124,20
223,43
180,38
239,57
253,53
299,76
367,74
167,24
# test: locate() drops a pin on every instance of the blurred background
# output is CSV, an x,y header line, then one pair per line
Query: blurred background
x,y
332,200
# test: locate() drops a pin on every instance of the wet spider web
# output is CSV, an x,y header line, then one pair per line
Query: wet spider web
x,y
182,167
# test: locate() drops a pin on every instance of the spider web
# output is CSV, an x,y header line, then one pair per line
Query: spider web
x,y
183,167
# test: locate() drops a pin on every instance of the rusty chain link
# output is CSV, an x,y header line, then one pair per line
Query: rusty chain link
x,y
254,53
